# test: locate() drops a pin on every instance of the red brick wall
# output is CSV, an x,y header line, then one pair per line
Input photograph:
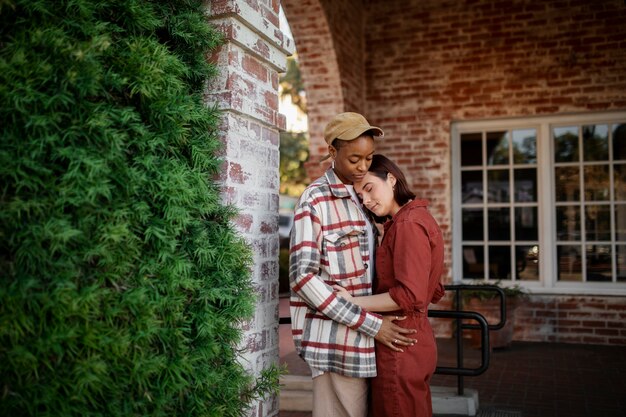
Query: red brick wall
x,y
427,63
572,319
558,318
431,62
346,21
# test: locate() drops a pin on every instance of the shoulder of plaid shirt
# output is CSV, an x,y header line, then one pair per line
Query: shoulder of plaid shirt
x,y
329,246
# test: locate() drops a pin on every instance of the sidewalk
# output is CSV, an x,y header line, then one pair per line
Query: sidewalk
x,y
527,379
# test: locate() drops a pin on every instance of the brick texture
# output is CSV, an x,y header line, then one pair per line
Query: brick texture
x,y
557,318
246,90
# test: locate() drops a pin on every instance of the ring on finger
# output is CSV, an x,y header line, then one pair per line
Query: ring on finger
x,y
395,341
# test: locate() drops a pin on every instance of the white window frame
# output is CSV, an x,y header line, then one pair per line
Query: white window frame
x,y
547,283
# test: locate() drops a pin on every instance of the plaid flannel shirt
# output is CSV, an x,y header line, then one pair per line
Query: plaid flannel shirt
x,y
329,245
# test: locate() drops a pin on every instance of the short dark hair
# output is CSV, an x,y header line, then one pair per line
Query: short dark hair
x,y
381,166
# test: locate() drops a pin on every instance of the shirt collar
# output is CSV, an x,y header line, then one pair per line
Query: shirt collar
x,y
404,209
337,187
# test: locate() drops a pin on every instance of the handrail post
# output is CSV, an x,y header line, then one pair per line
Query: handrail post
x,y
459,342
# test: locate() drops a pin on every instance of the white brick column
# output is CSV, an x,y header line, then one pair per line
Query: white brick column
x,y
246,90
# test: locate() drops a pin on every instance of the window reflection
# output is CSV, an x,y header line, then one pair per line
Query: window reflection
x,y
567,183
596,143
527,263
599,266
598,222
566,144
473,262
621,262
473,223
499,223
525,185
569,263
597,183
471,149
472,187
568,223
620,223
497,148
499,262
619,142
525,146
619,180
526,223
498,185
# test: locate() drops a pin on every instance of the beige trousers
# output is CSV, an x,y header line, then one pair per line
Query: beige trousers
x,y
336,395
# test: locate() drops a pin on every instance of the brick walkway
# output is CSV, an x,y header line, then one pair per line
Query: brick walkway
x,y
536,379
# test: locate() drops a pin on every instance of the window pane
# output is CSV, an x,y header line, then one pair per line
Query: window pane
x,y
596,143
599,263
567,183
527,263
499,262
525,184
526,223
598,222
619,180
621,262
497,148
597,183
566,144
472,187
498,185
620,222
472,223
499,223
525,146
619,142
568,223
570,265
473,262
471,149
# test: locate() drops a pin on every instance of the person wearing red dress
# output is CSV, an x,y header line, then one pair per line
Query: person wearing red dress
x,y
409,264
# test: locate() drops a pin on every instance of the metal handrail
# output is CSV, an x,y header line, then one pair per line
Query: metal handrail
x,y
484,338
459,315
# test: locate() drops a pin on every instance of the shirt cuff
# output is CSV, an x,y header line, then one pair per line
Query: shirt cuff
x,y
369,323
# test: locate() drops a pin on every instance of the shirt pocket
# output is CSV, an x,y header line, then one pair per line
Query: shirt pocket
x,y
343,252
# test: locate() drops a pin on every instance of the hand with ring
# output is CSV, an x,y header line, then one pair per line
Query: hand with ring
x,y
393,336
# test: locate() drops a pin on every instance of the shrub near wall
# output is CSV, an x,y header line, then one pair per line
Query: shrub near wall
x,y
122,283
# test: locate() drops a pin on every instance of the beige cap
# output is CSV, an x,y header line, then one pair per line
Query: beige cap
x,y
348,126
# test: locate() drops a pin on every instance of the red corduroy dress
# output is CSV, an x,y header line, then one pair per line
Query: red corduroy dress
x,y
409,264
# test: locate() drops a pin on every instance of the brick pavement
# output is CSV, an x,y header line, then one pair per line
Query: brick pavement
x,y
536,379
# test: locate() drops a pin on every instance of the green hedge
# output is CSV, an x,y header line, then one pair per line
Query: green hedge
x,y
122,282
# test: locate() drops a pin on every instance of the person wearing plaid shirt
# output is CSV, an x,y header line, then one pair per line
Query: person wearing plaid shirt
x,y
332,243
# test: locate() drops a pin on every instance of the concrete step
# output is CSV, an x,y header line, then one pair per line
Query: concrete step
x,y
447,401
296,395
